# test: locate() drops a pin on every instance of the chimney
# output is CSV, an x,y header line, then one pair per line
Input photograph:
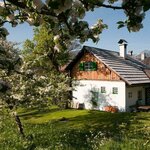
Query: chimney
x,y
123,47
130,53
143,56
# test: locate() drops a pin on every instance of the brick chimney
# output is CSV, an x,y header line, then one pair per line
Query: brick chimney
x,y
123,48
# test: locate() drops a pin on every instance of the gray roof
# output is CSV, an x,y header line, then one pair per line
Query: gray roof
x,y
129,69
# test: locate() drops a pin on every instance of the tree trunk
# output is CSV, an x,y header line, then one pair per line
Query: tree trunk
x,y
19,124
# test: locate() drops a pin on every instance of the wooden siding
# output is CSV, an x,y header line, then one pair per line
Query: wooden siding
x,y
102,73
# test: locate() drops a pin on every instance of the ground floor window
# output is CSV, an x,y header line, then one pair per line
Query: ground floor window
x,y
103,89
115,90
95,97
139,95
130,95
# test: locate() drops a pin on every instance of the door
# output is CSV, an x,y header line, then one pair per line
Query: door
x,y
147,94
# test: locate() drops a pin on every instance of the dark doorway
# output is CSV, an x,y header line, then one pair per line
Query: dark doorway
x,y
147,94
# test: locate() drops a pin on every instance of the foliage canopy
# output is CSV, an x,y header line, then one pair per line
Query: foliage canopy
x,y
66,16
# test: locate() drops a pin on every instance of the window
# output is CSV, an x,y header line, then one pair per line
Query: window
x,y
103,89
88,66
139,95
115,90
130,95
95,97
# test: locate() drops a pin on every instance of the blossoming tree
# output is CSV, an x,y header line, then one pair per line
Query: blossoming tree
x,y
32,78
10,65
44,83
66,16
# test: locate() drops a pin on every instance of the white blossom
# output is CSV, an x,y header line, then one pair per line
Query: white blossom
x,y
56,38
47,89
56,47
17,96
96,36
2,4
77,3
30,21
42,77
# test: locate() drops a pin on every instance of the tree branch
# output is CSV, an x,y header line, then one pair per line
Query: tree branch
x,y
23,6
19,4
64,18
101,5
112,7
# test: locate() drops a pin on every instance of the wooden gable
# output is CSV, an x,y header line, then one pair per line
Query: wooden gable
x,y
102,72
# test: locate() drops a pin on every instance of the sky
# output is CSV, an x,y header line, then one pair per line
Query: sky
x,y
137,41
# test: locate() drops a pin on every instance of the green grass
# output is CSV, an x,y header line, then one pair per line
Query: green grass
x,y
37,117
81,129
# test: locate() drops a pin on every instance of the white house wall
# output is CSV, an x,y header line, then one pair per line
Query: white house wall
x,y
82,94
132,100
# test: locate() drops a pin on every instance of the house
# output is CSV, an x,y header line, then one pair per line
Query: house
x,y
109,78
144,56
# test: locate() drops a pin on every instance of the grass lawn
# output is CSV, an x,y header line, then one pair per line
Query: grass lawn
x,y
76,129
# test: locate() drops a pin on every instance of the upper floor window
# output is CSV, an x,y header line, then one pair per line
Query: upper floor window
x,y
88,66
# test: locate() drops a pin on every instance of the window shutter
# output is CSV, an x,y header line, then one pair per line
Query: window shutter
x,y
81,66
94,64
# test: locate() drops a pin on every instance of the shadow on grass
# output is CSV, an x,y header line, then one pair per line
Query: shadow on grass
x,y
83,131
37,112
78,132
103,121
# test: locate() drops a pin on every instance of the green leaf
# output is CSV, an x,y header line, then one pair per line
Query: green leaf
x,y
146,5
120,22
54,5
146,8
120,26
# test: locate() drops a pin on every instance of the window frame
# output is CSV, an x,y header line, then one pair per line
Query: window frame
x,y
103,89
94,97
88,66
115,90
139,94
130,94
